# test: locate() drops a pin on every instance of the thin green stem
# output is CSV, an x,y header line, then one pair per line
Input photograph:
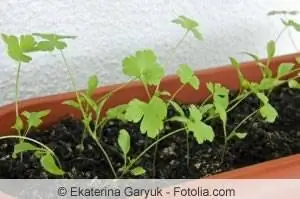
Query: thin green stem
x,y
17,89
34,141
225,142
243,121
292,40
206,99
148,148
280,34
18,93
115,90
154,160
234,131
176,92
178,44
187,151
71,76
147,90
239,101
172,54
106,156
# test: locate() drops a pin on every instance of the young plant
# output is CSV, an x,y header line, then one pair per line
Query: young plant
x,y
85,103
288,23
124,144
47,157
18,49
143,66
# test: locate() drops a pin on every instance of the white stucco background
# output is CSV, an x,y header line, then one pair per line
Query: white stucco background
x,y
109,30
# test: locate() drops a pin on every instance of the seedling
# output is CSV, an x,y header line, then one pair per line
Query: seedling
x,y
288,23
18,49
85,102
47,157
124,144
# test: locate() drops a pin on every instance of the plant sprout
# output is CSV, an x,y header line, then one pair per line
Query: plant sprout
x,y
18,49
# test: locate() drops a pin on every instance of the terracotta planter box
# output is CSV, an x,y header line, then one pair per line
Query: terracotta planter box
x,y
288,167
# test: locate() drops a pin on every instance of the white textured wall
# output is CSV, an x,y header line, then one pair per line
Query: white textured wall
x,y
108,30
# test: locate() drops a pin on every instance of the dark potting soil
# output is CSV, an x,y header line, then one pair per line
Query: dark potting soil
x,y
264,142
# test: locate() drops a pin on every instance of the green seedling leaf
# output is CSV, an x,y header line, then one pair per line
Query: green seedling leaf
x,y
101,105
72,103
267,72
262,97
18,124
284,69
187,76
87,120
292,24
24,147
177,108
220,94
201,131
237,66
14,49
52,41
92,84
152,115
293,84
143,65
268,112
197,34
90,101
267,83
135,110
205,108
27,43
124,141
235,63
117,112
253,56
195,114
271,48
189,25
179,119
240,135
34,119
49,164
138,171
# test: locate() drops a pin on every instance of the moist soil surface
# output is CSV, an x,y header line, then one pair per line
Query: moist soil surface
x,y
263,142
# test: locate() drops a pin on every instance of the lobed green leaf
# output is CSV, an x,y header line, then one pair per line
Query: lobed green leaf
x,y
187,76
34,119
268,112
143,65
117,112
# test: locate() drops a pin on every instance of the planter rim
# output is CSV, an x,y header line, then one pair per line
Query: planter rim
x,y
170,81
104,89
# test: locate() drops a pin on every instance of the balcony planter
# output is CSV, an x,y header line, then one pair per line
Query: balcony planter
x,y
287,167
